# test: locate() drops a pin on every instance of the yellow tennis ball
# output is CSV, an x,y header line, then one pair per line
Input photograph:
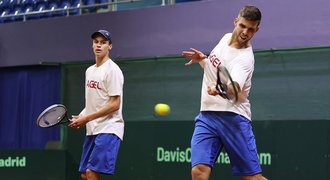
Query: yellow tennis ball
x,y
162,109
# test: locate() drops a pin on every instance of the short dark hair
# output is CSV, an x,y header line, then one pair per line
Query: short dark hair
x,y
250,13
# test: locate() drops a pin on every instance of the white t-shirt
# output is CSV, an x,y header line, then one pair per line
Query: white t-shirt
x,y
101,83
240,64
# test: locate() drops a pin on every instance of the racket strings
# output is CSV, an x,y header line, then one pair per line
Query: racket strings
x,y
221,87
52,116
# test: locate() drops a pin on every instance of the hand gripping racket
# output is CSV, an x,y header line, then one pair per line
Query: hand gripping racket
x,y
53,115
225,84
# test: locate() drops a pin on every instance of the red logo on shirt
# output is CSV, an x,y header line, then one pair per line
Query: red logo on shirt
x,y
93,84
214,60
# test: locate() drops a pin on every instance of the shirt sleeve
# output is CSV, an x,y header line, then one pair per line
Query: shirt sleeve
x,y
115,82
82,112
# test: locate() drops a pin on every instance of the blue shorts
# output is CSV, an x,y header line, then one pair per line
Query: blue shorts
x,y
233,132
100,153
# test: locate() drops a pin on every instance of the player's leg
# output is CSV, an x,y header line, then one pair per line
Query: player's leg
x,y
102,158
254,177
87,149
239,142
83,176
200,172
92,175
99,155
205,147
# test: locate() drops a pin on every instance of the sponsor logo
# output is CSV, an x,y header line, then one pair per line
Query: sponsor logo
x,y
93,84
184,156
13,162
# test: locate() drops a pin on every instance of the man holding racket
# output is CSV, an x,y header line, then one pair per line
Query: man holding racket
x,y
102,114
221,123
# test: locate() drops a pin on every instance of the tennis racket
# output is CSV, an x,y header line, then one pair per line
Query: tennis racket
x,y
53,115
225,84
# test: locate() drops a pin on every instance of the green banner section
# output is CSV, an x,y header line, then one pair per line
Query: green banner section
x,y
33,164
160,150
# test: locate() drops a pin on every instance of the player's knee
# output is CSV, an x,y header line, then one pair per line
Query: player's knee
x,y
83,176
200,171
89,172
195,171
254,177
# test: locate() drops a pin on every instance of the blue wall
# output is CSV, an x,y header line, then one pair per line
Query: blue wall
x,y
25,93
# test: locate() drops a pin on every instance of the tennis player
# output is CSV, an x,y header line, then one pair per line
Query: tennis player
x,y
102,114
221,124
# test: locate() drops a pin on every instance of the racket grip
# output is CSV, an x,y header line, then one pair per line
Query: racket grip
x,y
212,89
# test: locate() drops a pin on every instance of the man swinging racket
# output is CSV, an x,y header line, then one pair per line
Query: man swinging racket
x,y
222,123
